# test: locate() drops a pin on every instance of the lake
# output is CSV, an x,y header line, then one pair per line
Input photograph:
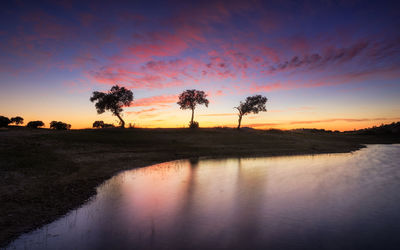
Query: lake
x,y
330,201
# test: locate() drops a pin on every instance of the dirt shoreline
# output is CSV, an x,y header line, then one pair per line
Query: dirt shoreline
x,y
48,173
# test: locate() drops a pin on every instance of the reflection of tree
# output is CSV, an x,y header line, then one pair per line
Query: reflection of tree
x,y
184,228
250,191
241,215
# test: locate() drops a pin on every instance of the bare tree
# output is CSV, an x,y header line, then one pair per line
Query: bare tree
x,y
188,99
113,101
253,104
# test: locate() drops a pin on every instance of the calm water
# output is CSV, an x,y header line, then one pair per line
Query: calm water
x,y
340,201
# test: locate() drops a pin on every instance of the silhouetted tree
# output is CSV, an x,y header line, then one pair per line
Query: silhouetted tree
x,y
4,121
59,125
98,124
17,120
188,99
194,124
253,104
35,124
101,124
113,101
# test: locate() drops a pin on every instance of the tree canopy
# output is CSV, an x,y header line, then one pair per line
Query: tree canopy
x,y
4,121
98,124
113,100
59,125
101,124
35,124
17,120
253,104
190,98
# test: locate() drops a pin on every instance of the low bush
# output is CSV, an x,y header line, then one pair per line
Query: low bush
x,y
17,120
35,124
101,124
4,121
59,125
194,125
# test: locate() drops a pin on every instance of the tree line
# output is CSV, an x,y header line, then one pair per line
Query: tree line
x,y
118,97
58,125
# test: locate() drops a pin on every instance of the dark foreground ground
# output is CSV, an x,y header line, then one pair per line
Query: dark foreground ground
x,y
46,173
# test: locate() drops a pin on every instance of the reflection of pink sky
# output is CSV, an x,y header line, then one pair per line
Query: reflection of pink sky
x,y
170,193
230,194
159,191
226,203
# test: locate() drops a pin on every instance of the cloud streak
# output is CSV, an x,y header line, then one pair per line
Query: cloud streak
x,y
161,100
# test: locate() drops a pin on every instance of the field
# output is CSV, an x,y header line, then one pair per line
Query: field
x,y
46,173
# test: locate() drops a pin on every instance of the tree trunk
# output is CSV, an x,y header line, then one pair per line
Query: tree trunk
x,y
122,123
191,121
240,121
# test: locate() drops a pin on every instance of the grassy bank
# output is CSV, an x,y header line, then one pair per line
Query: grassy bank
x,y
46,173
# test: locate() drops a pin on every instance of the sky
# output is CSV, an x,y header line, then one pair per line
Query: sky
x,y
321,64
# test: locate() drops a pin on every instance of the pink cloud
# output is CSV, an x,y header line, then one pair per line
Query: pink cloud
x,y
141,111
388,72
270,53
270,87
222,114
158,59
132,78
299,44
256,125
161,45
331,55
160,100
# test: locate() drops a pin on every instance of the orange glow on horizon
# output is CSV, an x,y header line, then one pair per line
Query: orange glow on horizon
x,y
334,125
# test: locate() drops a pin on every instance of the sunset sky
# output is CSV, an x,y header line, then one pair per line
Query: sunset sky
x,y
321,64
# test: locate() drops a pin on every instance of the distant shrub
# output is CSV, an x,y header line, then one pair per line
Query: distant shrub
x,y
4,121
311,130
101,124
98,124
194,124
274,130
247,128
222,127
59,125
131,125
35,124
384,129
17,120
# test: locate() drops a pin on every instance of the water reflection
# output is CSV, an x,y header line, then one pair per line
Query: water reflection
x,y
341,201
